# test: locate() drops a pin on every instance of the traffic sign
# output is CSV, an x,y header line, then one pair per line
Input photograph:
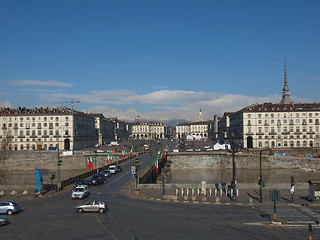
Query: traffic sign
x,y
133,169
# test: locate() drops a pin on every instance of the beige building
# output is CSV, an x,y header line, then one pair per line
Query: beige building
x,y
277,125
284,124
149,130
194,130
47,128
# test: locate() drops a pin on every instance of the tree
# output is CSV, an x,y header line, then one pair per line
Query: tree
x,y
4,146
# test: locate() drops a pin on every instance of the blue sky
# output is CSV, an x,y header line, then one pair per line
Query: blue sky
x,y
161,59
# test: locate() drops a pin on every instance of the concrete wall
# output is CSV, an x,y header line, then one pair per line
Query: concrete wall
x,y
26,161
223,160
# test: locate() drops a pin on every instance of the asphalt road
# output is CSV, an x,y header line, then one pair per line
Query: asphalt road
x,y
132,218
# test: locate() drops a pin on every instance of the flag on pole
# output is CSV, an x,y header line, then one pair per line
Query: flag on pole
x,y
91,163
123,154
132,150
89,166
110,156
156,165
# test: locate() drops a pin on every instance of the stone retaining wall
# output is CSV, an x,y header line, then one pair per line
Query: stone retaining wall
x,y
223,160
26,161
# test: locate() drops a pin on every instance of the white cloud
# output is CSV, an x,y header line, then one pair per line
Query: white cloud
x,y
6,104
49,83
161,105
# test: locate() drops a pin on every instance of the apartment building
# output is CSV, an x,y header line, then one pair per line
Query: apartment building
x,y
149,130
47,128
275,125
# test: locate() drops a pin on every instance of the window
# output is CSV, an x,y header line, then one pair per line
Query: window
x,y
57,118
259,115
45,119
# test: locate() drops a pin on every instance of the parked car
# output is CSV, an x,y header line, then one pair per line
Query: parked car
x,y
97,179
9,207
107,173
3,220
80,191
92,206
119,168
113,169
81,182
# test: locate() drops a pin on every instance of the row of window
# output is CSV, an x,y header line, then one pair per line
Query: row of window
x,y
286,144
311,129
33,125
272,115
291,121
34,118
23,133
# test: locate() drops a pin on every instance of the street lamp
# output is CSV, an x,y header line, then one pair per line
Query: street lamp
x,y
235,147
261,182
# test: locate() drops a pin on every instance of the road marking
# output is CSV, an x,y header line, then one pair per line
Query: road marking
x,y
106,228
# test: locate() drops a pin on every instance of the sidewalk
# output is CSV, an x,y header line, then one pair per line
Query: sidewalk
x,y
245,196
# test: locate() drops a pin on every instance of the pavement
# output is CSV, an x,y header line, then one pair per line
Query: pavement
x,y
245,196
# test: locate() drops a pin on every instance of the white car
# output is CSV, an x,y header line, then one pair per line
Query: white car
x,y
113,169
80,191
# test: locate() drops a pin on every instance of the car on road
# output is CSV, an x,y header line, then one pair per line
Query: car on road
x,y
3,220
80,191
97,179
92,206
107,173
81,182
119,168
9,207
113,169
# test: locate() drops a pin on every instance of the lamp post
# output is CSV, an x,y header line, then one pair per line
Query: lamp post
x,y
235,147
261,182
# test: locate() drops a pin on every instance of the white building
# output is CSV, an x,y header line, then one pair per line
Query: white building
x,y
284,124
149,130
194,130
46,128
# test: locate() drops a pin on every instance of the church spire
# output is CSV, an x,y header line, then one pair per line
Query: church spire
x,y
286,99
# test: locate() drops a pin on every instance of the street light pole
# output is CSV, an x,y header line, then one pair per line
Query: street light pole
x,y
260,178
261,182
235,147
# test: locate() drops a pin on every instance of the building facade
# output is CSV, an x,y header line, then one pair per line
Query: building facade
x,y
194,130
149,130
275,125
46,128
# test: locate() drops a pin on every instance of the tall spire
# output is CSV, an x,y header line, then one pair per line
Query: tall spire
x,y
286,99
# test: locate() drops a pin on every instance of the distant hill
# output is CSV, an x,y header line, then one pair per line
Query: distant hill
x,y
174,122
169,123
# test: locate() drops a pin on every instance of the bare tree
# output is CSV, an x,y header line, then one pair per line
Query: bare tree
x,y
4,146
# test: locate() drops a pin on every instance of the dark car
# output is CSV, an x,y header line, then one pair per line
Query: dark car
x,y
3,220
97,179
81,182
119,168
